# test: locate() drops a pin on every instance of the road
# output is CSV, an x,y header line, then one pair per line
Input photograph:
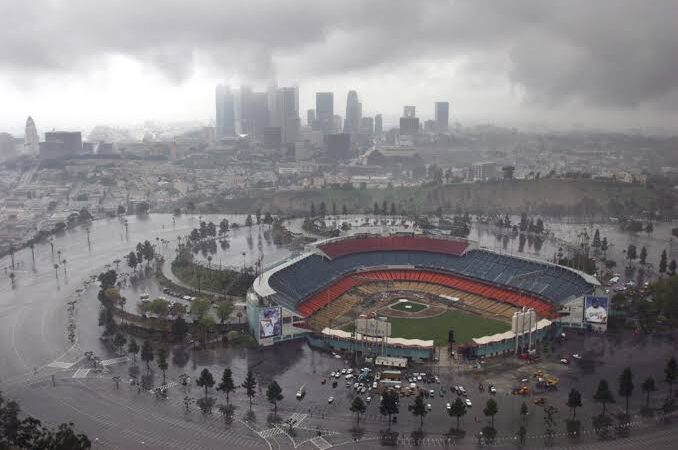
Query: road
x,y
35,345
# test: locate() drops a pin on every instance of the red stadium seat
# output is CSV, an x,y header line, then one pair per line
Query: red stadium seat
x,y
338,288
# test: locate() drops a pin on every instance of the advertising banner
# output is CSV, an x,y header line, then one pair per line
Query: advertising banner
x,y
595,309
270,322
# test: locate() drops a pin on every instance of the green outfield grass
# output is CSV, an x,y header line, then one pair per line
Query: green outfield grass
x,y
401,306
465,327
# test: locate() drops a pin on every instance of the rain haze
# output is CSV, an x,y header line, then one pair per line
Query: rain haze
x,y
608,64
338,224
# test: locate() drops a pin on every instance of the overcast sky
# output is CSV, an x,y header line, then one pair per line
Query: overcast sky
x,y
603,63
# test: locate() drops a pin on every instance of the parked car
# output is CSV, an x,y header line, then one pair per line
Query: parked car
x,y
330,400
468,403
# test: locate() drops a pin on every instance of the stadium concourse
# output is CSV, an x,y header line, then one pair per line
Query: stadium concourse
x,y
305,293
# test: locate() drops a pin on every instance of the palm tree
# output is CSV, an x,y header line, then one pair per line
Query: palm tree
x,y
56,270
64,263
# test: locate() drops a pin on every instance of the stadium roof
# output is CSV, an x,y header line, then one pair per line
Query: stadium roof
x,y
389,340
493,339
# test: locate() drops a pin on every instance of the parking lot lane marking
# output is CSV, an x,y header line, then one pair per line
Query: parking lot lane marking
x,y
321,443
81,373
109,362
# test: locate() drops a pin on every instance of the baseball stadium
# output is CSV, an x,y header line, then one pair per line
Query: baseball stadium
x,y
429,289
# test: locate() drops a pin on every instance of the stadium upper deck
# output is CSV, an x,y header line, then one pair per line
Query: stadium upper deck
x,y
311,280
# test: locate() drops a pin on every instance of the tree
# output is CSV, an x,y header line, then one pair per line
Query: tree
x,y
626,386
457,409
418,409
312,212
199,308
147,354
119,341
574,401
671,374
133,348
596,239
274,395
223,226
389,405
248,220
603,394
268,218
524,411
393,209
491,409
375,209
250,386
226,385
643,255
107,279
604,246
649,227
206,380
648,387
162,362
257,215
322,210
663,262
344,210
358,407
631,253
179,328
672,267
132,260
148,251
224,311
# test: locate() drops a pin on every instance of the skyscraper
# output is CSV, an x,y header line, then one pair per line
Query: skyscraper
x,y
285,114
409,123
378,125
354,112
251,113
31,140
409,111
310,117
225,120
442,116
324,111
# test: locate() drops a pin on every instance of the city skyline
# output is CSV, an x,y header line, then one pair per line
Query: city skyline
x,y
516,65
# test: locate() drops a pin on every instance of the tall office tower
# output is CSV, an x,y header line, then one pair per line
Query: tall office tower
x,y
225,102
367,126
337,120
338,146
442,116
310,117
61,144
31,140
285,114
324,111
354,111
409,123
378,124
251,113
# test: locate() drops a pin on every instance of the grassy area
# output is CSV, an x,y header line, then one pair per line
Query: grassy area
x,y
465,327
403,306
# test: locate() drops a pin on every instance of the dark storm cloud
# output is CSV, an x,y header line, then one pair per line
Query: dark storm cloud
x,y
612,53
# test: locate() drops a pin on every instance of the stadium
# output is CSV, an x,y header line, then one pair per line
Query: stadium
x,y
422,286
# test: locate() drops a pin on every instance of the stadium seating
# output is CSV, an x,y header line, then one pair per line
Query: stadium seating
x,y
314,281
